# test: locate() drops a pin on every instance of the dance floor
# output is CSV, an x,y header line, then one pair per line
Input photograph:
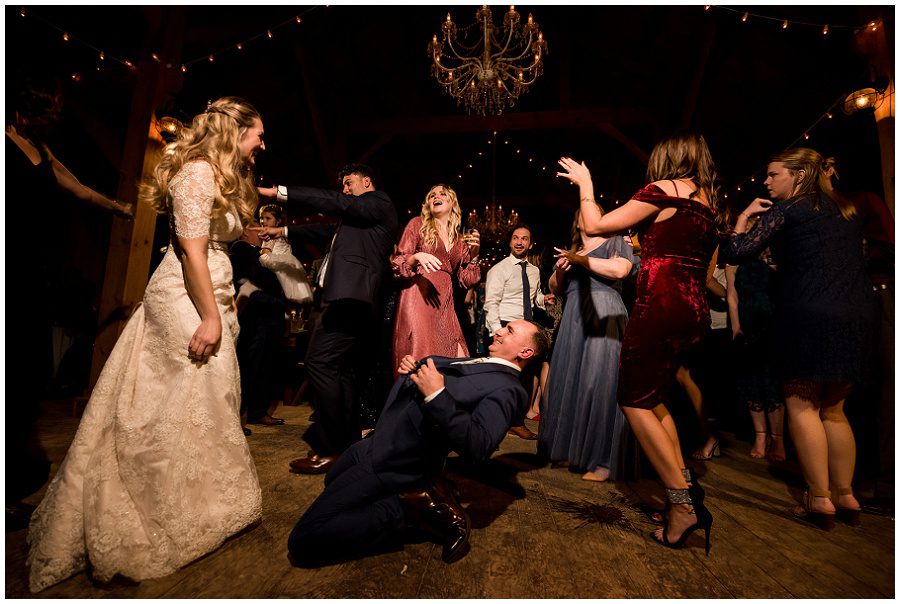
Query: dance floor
x,y
538,532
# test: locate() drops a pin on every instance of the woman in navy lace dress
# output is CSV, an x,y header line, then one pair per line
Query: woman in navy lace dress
x,y
824,309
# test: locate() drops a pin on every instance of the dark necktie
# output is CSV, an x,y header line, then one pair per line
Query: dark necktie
x,y
526,292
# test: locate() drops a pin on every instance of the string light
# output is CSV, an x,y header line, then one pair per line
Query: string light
x,y
825,28
828,114
206,57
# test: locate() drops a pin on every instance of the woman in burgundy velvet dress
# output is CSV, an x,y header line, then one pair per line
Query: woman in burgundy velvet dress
x,y
431,259
677,216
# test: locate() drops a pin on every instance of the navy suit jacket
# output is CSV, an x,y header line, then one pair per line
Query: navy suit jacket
x,y
359,259
471,416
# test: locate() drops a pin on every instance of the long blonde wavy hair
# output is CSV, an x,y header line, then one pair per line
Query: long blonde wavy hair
x,y
687,156
214,136
428,230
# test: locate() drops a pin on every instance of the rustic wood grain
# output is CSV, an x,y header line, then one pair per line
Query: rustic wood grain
x,y
537,532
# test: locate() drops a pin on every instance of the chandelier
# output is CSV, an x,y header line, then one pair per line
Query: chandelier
x,y
494,225
503,62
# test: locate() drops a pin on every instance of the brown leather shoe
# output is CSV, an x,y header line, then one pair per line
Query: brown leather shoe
x,y
268,420
435,510
314,464
522,432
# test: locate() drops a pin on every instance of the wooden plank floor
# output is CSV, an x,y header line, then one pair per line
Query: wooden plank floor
x,y
538,532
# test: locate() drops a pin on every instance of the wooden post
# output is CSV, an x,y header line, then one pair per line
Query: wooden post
x,y
876,44
128,260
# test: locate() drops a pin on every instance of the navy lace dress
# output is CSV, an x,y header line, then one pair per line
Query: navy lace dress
x,y
824,304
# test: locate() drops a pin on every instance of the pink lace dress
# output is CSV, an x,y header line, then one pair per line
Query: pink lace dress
x,y
426,321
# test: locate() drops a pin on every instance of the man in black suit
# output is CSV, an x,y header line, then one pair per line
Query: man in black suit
x,y
355,267
390,481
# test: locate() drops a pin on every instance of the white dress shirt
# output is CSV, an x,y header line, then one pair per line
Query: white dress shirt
x,y
503,292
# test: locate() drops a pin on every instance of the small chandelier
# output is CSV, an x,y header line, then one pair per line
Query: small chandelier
x,y
500,67
495,224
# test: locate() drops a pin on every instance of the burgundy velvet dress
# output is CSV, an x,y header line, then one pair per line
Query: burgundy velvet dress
x,y
671,313
426,321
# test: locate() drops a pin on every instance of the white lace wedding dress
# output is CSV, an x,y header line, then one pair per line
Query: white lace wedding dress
x,y
159,472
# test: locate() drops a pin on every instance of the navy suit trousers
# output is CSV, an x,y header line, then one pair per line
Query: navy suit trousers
x,y
355,514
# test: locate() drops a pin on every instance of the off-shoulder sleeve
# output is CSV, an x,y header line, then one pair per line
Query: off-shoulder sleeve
x,y
410,243
653,194
468,273
193,192
747,246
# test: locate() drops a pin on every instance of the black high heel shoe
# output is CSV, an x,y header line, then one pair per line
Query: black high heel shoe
x,y
704,519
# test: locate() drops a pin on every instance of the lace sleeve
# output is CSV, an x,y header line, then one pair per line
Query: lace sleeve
x,y
193,192
747,246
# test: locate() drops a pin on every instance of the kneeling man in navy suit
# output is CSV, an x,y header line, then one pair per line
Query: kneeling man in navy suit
x,y
390,481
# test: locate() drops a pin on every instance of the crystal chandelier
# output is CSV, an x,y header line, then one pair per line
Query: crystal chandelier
x,y
494,225
503,62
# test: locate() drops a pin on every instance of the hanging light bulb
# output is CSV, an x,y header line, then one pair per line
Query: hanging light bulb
x,y
240,46
269,33
825,31
744,18
211,58
22,12
65,37
155,57
183,69
298,19
785,24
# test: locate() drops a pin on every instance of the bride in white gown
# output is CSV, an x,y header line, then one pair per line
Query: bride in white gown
x,y
159,472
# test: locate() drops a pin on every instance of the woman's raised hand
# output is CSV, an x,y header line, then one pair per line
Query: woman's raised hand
x,y
757,206
428,262
473,240
567,258
577,173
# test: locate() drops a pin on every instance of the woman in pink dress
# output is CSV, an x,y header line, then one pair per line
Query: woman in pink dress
x,y
433,257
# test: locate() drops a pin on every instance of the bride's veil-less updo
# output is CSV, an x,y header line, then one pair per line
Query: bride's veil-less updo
x,y
214,136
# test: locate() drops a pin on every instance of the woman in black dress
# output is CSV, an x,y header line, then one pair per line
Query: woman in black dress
x,y
823,320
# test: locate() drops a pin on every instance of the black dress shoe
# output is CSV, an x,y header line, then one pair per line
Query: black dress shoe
x,y
435,510
315,464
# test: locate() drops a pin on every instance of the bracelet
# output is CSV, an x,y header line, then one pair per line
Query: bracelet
x,y
587,200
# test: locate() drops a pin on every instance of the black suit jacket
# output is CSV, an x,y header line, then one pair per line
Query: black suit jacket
x,y
359,259
471,416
